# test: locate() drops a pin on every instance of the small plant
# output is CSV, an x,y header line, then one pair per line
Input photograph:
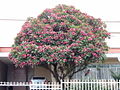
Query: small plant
x,y
116,76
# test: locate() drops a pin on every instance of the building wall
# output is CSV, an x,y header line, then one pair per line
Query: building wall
x,y
3,73
42,72
19,74
16,75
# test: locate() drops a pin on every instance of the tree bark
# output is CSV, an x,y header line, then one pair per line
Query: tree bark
x,y
53,71
62,71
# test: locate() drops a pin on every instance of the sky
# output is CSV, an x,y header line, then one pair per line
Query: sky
x,y
107,10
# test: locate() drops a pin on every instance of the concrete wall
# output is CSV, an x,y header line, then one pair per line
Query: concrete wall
x,y
3,74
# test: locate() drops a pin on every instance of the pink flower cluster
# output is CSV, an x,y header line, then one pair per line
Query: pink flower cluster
x,y
61,34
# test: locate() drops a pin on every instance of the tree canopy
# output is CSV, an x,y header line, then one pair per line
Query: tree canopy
x,y
63,38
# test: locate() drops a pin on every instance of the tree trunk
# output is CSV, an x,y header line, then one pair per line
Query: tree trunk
x,y
60,71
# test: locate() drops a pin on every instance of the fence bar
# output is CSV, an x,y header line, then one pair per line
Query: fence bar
x,y
95,84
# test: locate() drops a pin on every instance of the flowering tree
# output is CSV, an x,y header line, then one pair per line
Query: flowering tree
x,y
60,39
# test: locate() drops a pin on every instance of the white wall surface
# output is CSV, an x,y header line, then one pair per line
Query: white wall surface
x,y
107,10
114,41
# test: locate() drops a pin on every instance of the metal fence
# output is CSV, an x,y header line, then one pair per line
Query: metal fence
x,y
69,85
91,85
45,86
98,71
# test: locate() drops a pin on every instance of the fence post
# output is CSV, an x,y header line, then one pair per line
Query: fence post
x,y
61,84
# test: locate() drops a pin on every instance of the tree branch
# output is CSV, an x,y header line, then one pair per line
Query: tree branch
x,y
80,69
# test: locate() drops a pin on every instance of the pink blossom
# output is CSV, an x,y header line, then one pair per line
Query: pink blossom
x,y
56,37
52,20
103,37
27,51
22,64
85,49
74,44
65,42
42,59
44,20
76,61
28,55
65,60
72,29
50,60
33,57
47,26
94,54
58,18
30,31
53,15
83,33
62,23
89,38
81,38
26,25
74,57
107,33
61,38
63,16
52,55
78,41
24,55
73,33
62,55
48,10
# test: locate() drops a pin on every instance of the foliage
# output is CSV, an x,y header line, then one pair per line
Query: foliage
x,y
116,76
62,37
